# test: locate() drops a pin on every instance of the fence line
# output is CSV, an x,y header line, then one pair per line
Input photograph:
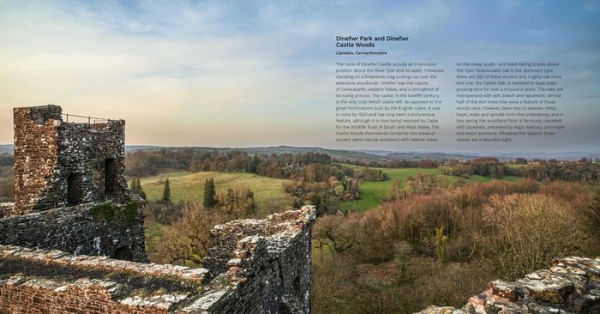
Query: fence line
x,y
90,120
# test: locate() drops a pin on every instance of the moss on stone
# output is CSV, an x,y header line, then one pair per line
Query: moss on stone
x,y
112,213
131,212
104,210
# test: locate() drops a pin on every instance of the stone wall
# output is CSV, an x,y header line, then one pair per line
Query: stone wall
x,y
6,209
90,229
265,270
38,281
36,155
71,198
571,285
61,163
270,259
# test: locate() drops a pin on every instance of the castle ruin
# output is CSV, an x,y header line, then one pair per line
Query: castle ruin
x,y
70,190
253,266
73,241
60,163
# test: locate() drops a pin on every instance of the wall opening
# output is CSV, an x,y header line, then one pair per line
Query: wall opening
x,y
74,189
123,253
284,308
110,176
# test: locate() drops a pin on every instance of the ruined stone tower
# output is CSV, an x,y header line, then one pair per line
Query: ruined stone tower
x,y
70,190
74,241
61,163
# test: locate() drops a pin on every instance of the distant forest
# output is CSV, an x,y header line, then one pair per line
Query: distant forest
x,y
288,165
293,166
143,163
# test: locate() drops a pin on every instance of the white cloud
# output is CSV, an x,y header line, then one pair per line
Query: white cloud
x,y
187,72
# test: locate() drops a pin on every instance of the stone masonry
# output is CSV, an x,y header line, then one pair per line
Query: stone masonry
x,y
271,259
70,190
571,285
90,229
6,209
254,266
60,163
73,241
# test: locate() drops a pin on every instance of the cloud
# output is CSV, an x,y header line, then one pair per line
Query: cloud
x,y
216,72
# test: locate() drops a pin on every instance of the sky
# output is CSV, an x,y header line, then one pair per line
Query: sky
x,y
261,73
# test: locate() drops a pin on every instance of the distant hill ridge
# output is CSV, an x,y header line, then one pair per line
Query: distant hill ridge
x,y
364,155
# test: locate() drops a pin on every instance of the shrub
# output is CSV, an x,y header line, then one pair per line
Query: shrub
x,y
369,174
157,212
332,290
335,232
110,213
186,241
478,232
528,231
594,211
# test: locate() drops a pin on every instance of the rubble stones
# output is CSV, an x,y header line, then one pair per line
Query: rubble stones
x,y
571,285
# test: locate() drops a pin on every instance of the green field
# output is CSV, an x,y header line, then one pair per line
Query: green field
x,y
186,186
268,192
371,193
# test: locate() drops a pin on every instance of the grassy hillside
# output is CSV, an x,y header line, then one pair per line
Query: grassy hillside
x,y
187,186
268,192
371,193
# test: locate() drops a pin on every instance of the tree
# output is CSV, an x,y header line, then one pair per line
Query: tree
x,y
440,246
136,186
254,164
133,184
396,192
236,203
521,161
166,198
210,193
249,204
594,212
140,189
186,241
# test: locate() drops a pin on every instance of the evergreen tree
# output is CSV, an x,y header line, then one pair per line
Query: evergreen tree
x,y
210,193
140,190
166,198
136,186
133,184
254,164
